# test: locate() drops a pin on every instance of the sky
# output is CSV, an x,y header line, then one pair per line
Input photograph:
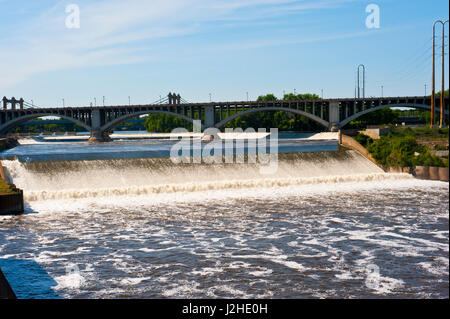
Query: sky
x,y
227,48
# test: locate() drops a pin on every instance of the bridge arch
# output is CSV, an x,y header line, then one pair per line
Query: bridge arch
x,y
25,118
110,125
274,108
409,105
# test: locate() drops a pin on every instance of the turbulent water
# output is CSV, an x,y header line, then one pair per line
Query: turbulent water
x,y
327,224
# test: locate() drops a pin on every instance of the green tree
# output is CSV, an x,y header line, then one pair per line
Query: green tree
x,y
380,117
165,123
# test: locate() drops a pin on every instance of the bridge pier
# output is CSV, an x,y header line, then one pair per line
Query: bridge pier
x,y
334,116
210,116
334,127
99,137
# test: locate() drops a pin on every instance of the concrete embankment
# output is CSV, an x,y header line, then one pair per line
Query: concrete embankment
x,y
11,199
350,142
432,173
421,172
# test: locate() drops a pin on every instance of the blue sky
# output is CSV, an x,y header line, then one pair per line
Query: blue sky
x,y
144,49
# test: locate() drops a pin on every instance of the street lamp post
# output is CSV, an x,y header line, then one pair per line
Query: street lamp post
x,y
363,81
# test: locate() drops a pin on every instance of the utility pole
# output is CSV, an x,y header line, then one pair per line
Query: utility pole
x,y
247,96
433,95
425,89
321,92
442,115
129,100
64,104
103,100
381,91
209,97
95,101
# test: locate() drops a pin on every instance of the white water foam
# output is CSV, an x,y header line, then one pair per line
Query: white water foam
x,y
160,178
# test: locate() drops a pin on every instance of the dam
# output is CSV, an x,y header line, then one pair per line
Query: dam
x,y
121,220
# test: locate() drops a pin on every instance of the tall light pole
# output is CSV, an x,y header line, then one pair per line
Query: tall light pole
x,y
129,100
209,97
103,100
95,101
425,89
442,115
363,81
433,73
321,93
381,91
64,104
247,96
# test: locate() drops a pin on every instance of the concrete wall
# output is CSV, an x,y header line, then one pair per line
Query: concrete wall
x,y
350,142
375,133
432,173
10,203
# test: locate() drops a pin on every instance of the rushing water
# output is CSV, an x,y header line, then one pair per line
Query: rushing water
x,y
327,224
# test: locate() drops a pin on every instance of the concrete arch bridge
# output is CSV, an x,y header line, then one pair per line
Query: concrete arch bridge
x,y
332,114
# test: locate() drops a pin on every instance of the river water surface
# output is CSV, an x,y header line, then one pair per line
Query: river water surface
x,y
328,224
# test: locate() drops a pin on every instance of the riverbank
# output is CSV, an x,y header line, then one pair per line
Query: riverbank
x,y
408,147
421,172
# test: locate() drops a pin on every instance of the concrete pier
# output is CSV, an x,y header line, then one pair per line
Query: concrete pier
x,y
11,202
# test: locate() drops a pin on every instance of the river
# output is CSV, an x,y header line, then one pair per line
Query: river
x,y
120,220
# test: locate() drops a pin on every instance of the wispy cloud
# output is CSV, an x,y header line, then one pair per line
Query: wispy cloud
x,y
113,31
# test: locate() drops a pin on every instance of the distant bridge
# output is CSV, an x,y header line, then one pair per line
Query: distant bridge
x,y
332,114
